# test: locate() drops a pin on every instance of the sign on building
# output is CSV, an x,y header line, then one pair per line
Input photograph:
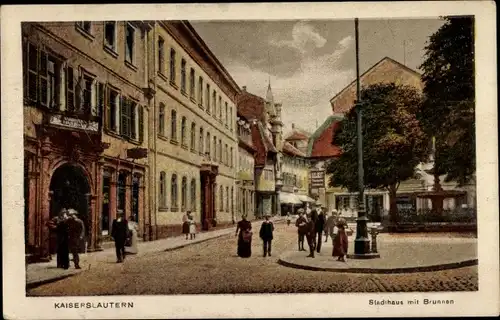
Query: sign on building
x,y
317,178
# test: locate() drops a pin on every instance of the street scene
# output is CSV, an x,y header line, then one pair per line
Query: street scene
x,y
222,157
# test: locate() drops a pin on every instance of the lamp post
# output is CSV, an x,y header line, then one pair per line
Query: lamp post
x,y
362,242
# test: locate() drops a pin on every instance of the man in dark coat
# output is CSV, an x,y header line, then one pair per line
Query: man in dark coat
x,y
119,232
76,233
311,232
319,226
266,234
301,228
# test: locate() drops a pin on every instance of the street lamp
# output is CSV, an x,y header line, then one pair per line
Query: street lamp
x,y
362,242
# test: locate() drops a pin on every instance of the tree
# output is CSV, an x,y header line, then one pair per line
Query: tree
x,y
393,141
447,111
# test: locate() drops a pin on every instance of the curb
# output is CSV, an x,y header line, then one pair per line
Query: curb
x,y
193,243
38,283
439,267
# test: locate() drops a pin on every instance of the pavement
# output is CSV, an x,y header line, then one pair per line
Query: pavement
x,y
417,253
42,273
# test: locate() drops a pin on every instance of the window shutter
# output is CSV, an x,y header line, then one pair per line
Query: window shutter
x,y
141,124
32,80
43,79
133,120
107,108
124,116
79,101
70,90
25,67
101,97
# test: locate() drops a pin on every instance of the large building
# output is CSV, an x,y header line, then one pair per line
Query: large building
x,y
85,108
320,150
193,141
245,196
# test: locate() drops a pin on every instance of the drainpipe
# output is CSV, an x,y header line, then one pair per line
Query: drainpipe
x,y
153,139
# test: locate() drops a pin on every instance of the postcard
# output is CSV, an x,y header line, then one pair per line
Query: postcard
x,y
250,160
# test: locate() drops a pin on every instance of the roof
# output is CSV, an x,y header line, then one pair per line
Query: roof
x,y
296,136
343,100
289,149
320,143
267,142
251,106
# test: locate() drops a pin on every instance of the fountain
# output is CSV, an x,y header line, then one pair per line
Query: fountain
x,y
437,194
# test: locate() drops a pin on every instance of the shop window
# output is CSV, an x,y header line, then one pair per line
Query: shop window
x,y
121,191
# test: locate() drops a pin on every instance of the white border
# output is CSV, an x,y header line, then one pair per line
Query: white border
x,y
483,302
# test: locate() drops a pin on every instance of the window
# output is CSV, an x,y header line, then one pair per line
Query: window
x,y
221,198
120,191
227,199
163,194
129,43
111,110
173,125
42,76
191,83
231,158
230,118
183,76
200,92
220,151
87,86
84,26
161,120
193,195
183,131
208,98
214,103
183,193
226,115
193,136
200,143
214,146
172,66
110,35
220,108
128,118
161,55
207,145
226,156
173,192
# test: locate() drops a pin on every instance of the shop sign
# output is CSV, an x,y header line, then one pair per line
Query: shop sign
x,y
74,123
317,178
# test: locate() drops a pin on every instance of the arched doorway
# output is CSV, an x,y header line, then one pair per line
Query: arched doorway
x,y
70,188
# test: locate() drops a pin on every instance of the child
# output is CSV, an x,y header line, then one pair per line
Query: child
x,y
340,243
288,219
266,234
301,228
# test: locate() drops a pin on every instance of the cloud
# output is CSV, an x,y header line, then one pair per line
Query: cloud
x,y
303,34
305,94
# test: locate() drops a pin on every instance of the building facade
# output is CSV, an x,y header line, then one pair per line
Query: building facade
x,y
245,197
193,139
85,105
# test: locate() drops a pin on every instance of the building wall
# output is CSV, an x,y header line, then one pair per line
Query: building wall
x,y
175,156
299,167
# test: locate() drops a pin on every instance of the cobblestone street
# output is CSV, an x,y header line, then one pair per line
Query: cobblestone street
x,y
213,267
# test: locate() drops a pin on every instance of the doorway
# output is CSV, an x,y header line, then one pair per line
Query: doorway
x,y
70,189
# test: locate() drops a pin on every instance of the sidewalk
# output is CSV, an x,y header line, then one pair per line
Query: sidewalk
x,y
41,273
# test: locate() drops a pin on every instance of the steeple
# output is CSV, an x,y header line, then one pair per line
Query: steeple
x,y
269,94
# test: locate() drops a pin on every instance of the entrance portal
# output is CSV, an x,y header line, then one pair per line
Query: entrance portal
x,y
70,189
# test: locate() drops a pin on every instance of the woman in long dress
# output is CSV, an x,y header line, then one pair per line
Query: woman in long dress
x,y
133,228
192,227
340,242
185,224
244,238
60,225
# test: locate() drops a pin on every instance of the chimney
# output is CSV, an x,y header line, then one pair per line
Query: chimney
x,y
245,88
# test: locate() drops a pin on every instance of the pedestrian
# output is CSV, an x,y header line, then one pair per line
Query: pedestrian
x,y
76,233
185,224
340,243
311,233
119,232
192,226
330,225
319,226
266,234
288,219
301,229
131,245
244,237
60,225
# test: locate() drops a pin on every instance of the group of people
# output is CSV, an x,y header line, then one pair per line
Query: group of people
x,y
313,224
70,231
189,226
244,234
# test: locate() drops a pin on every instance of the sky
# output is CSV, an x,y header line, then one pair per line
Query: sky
x,y
308,62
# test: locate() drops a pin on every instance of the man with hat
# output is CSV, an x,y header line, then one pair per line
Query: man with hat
x,y
76,236
266,234
319,225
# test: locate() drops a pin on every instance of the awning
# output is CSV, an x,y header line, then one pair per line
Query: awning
x,y
289,198
304,198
